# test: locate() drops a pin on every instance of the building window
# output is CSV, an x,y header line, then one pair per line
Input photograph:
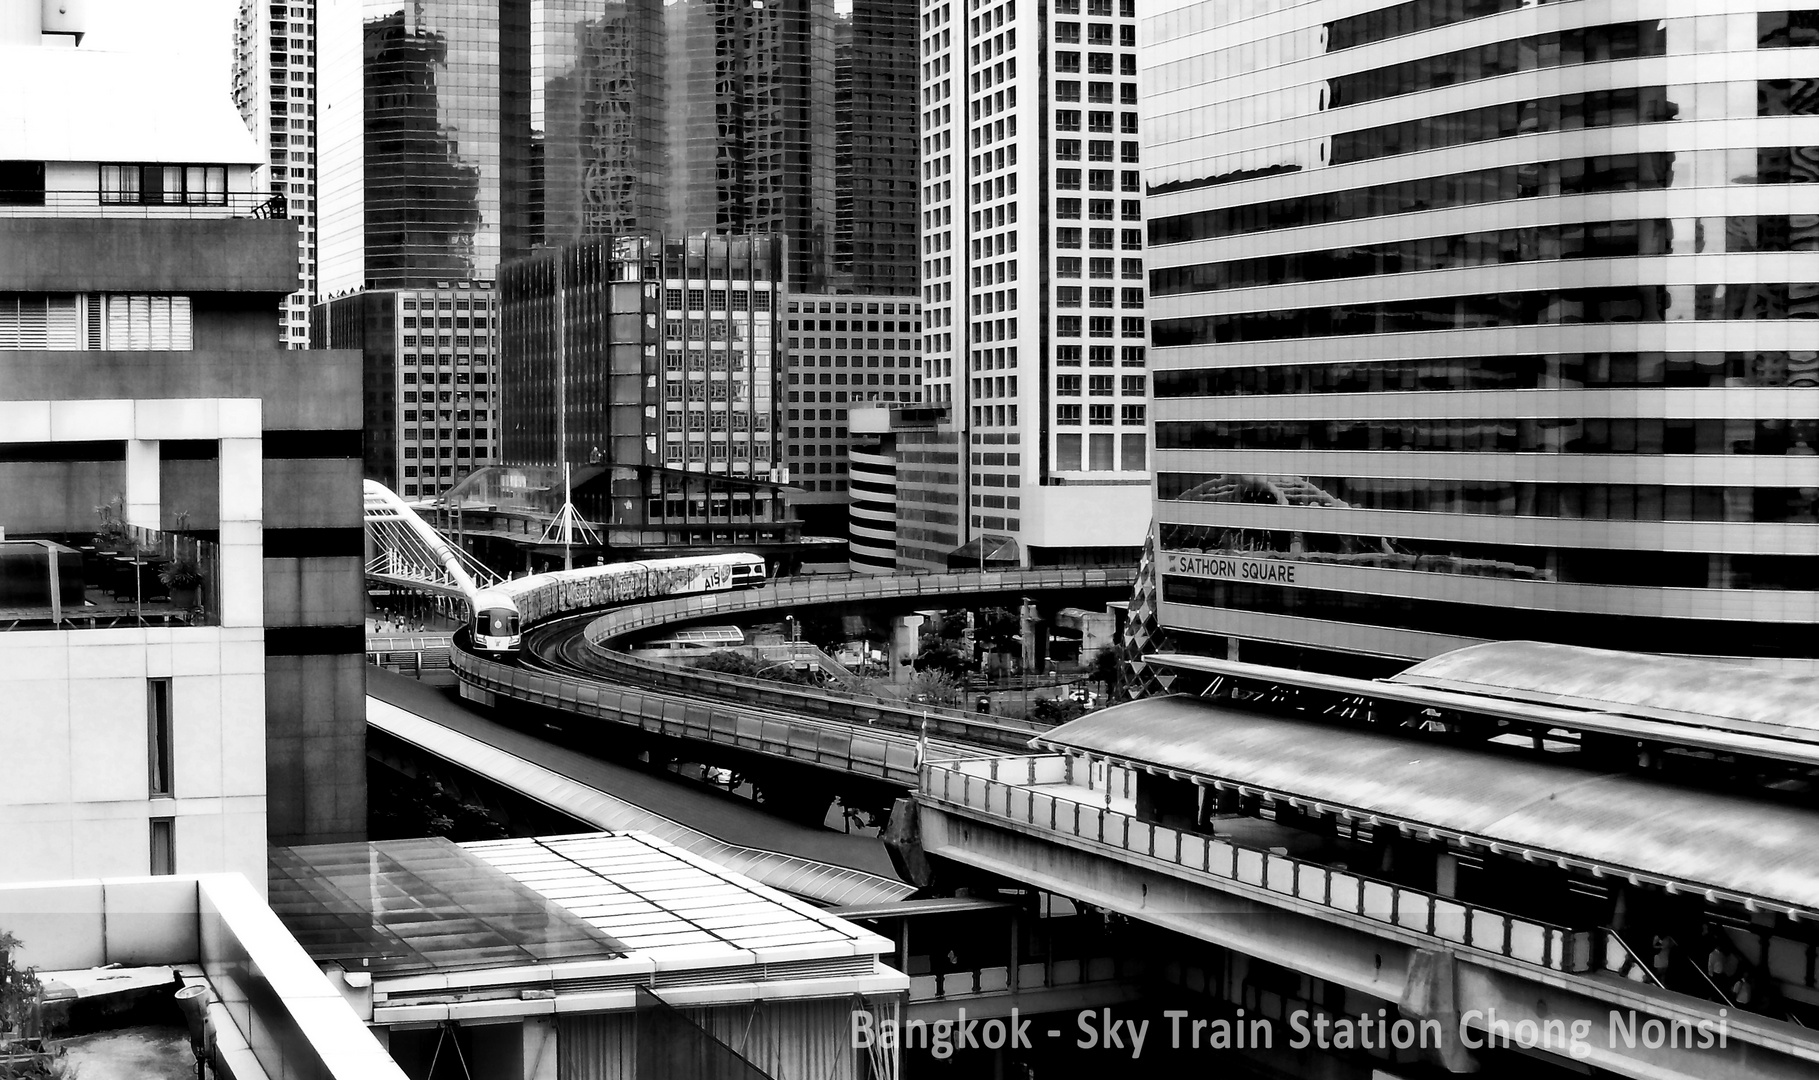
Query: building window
x,y
21,183
148,323
163,847
158,736
153,185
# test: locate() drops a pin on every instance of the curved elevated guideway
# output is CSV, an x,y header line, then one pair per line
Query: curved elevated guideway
x,y
569,665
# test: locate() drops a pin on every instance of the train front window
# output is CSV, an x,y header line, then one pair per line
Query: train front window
x,y
498,623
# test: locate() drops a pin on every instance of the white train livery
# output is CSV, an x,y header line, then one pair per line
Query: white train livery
x,y
503,612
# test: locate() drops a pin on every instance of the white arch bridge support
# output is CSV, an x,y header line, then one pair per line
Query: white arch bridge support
x,y
405,550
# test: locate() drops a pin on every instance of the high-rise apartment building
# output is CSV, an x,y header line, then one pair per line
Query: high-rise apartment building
x,y
653,368
1484,321
1032,274
274,89
182,661
843,349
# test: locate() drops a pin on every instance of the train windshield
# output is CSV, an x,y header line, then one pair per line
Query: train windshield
x,y
497,622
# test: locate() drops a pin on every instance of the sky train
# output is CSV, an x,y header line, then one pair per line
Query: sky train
x,y
503,612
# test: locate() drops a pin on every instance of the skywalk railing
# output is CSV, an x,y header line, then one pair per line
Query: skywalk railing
x,y
1005,788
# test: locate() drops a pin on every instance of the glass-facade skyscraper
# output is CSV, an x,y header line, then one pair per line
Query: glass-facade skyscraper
x,y
797,120
426,163
1483,320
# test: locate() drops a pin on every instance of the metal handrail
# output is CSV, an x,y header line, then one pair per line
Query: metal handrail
x,y
85,202
1611,934
714,722
1114,828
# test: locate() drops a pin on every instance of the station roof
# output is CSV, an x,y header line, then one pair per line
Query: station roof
x,y
411,906
405,908
1742,733
1672,688
658,899
1743,848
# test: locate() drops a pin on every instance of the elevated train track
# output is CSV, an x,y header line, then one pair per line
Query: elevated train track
x,y
568,665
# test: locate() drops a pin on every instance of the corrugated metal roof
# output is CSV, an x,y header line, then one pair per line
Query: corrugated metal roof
x,y
1721,735
1730,843
74,104
1673,688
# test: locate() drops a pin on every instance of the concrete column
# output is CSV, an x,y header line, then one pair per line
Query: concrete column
x,y
241,590
1029,629
540,1054
142,483
1446,874
905,637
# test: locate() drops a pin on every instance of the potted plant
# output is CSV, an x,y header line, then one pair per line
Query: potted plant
x,y
183,577
114,535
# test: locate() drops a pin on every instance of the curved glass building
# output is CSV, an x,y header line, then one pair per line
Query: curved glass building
x,y
1480,319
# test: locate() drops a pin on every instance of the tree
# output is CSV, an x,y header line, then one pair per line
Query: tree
x,y
996,628
935,687
1105,667
1055,710
733,663
951,625
23,1026
940,655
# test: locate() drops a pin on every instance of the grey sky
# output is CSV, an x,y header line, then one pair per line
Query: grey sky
x,y
197,35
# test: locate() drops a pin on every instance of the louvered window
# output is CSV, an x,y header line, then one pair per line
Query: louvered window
x,y
40,321
137,323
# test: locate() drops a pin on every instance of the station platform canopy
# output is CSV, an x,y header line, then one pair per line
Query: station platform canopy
x,y
1676,689
1668,700
1741,849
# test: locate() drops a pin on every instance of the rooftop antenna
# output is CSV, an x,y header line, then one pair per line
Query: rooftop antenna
x,y
567,524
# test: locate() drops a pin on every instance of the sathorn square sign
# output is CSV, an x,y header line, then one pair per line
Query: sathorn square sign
x,y
1230,568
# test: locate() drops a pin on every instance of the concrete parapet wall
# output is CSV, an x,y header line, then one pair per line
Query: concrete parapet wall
x,y
302,389
189,255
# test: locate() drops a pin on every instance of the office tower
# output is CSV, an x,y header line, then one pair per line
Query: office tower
x,y
431,373
710,116
1484,321
274,87
652,367
599,147
879,434
426,188
843,349
181,660
425,138
1032,276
